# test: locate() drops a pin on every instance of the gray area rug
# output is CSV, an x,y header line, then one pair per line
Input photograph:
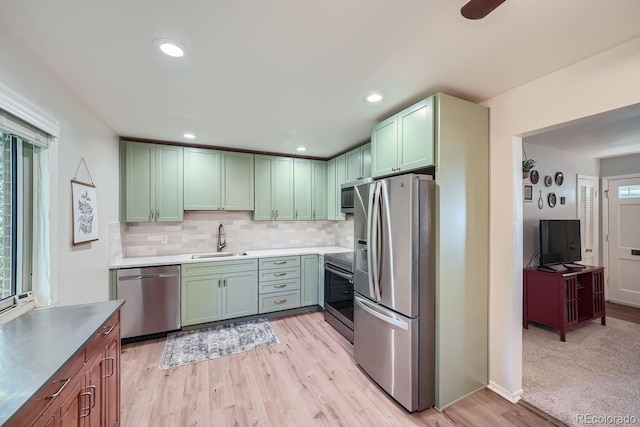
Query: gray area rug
x,y
595,375
197,345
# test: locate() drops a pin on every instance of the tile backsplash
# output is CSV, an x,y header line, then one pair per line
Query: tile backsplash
x,y
198,232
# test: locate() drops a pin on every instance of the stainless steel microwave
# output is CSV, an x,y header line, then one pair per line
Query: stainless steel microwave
x,y
347,194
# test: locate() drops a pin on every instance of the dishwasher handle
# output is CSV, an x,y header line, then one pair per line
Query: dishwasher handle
x,y
147,276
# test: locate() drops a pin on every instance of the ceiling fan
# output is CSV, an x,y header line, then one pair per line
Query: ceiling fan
x,y
478,9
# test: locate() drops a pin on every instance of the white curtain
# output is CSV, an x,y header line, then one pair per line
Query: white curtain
x,y
42,290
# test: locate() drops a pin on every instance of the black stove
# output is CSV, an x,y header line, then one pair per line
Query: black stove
x,y
338,292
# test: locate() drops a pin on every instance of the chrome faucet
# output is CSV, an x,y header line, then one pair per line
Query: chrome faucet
x,y
221,243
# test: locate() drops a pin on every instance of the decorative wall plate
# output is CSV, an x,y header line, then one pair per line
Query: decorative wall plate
x,y
534,176
551,198
548,180
559,178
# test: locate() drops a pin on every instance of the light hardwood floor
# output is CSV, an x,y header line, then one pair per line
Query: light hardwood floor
x,y
310,378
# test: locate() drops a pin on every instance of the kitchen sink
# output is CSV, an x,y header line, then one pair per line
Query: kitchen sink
x,y
218,255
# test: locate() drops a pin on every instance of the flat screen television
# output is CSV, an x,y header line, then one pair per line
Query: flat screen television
x,y
560,242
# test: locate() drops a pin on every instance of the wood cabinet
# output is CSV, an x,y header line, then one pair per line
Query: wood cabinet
x,y
358,163
279,283
563,300
273,188
213,291
218,180
336,176
152,182
309,280
310,189
405,141
87,392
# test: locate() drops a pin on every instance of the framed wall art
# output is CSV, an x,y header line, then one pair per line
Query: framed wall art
x,y
85,212
527,193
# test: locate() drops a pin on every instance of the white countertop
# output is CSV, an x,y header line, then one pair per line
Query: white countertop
x,y
186,258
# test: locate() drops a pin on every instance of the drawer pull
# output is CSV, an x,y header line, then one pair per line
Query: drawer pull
x,y
280,286
280,262
110,329
279,274
280,301
57,393
635,252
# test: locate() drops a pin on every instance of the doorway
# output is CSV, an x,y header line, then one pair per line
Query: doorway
x,y
622,238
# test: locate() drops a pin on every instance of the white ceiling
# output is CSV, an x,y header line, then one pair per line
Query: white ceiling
x,y
274,74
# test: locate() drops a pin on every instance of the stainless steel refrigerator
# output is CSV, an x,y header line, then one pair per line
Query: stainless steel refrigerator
x,y
394,287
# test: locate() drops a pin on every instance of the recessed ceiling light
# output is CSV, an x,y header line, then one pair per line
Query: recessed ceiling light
x,y
171,48
189,135
374,97
301,148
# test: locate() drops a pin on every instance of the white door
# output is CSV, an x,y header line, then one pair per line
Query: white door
x,y
587,198
624,240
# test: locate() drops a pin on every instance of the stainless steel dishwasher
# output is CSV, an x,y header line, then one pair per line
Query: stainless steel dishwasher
x,y
152,296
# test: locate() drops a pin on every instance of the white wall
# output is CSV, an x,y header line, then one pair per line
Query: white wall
x,y
548,162
622,165
79,274
601,83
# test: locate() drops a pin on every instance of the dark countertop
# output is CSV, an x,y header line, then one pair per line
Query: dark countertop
x,y
36,346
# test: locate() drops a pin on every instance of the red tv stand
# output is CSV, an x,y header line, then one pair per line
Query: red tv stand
x,y
563,300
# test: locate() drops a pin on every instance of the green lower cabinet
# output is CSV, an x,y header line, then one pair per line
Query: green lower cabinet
x,y
218,290
239,294
201,299
309,280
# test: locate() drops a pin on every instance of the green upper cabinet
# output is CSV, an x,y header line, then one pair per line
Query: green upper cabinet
x,y
273,188
310,189
237,181
153,182
218,180
341,178
201,179
336,176
358,163
332,189
319,190
404,142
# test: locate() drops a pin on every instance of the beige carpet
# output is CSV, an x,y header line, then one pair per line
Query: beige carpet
x,y
596,373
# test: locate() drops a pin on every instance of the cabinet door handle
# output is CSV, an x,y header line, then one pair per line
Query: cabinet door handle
x,y
280,301
280,262
93,397
88,408
151,215
57,393
110,329
280,286
279,274
219,282
588,250
224,283
273,214
157,214
296,213
313,214
276,213
113,366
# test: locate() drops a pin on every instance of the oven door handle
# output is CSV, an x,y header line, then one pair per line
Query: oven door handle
x,y
349,277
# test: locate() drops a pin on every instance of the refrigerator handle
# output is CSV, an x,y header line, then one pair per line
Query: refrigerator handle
x,y
374,243
369,211
371,309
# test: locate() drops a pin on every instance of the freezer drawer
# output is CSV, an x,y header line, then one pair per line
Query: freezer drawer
x,y
152,300
385,345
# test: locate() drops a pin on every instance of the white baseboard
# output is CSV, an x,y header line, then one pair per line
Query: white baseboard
x,y
511,397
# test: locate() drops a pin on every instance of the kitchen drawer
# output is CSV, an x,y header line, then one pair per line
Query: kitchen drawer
x,y
279,286
279,262
279,301
279,274
218,267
